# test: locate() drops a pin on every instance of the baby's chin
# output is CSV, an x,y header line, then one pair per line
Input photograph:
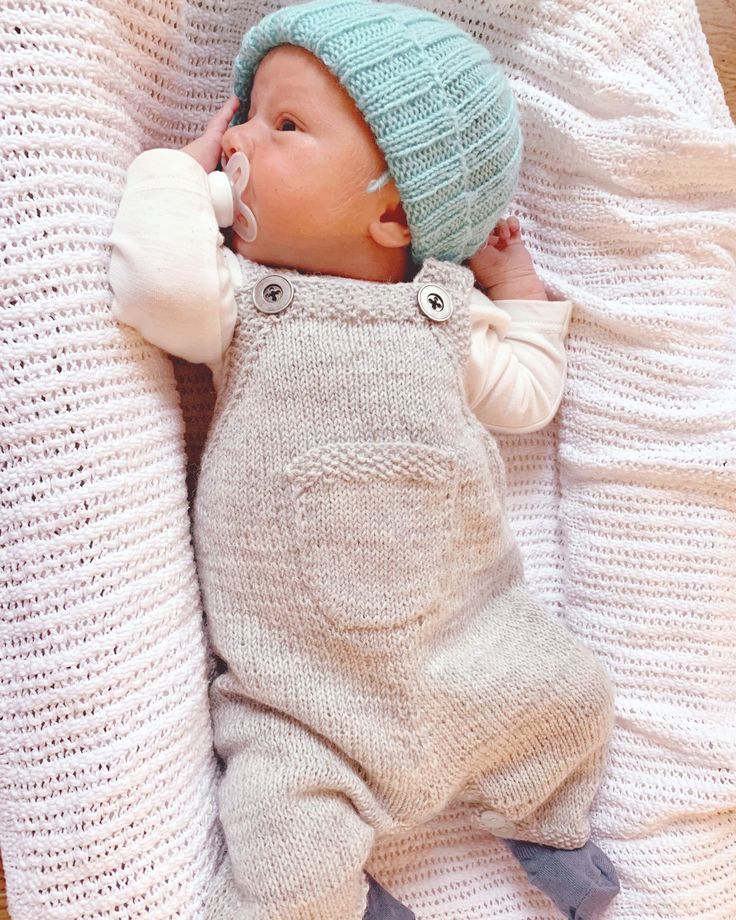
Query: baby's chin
x,y
254,251
257,251
274,257
234,242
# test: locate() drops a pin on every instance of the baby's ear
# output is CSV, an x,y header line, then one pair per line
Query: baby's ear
x,y
391,228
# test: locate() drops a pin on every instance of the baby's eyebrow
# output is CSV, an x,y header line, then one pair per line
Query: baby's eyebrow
x,y
290,100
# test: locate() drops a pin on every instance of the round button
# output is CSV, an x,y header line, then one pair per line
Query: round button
x,y
273,294
497,824
435,302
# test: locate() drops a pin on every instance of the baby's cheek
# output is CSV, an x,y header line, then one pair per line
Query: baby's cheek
x,y
289,216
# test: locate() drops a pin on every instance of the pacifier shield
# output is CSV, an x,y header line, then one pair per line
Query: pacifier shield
x,y
237,170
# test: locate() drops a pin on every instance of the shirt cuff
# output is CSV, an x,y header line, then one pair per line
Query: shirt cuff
x,y
544,314
161,163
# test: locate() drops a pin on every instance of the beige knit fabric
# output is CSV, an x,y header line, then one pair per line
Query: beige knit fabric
x,y
364,590
624,511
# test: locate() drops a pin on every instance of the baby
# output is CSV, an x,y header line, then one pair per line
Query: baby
x,y
382,654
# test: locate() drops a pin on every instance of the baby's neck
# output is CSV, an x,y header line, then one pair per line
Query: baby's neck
x,y
374,263
389,266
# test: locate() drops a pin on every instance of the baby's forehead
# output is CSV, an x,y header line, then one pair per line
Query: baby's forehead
x,y
293,71
292,64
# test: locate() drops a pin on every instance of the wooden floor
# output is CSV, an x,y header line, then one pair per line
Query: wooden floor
x,y
719,24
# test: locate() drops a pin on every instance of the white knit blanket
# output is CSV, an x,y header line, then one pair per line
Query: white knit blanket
x,y
625,508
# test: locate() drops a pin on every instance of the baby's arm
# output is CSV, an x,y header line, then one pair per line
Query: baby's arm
x,y
172,278
516,371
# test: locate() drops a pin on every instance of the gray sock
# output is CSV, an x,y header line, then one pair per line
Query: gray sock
x,y
581,882
383,906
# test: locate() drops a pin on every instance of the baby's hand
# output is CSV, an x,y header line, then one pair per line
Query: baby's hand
x,y
504,267
207,148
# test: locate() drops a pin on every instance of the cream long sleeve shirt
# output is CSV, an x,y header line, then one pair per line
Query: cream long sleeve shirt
x,y
174,281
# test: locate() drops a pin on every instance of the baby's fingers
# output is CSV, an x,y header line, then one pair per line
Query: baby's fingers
x,y
207,149
507,229
501,230
218,124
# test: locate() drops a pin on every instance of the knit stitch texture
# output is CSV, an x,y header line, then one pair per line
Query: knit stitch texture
x,y
365,592
624,509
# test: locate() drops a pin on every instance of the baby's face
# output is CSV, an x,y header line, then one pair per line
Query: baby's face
x,y
311,158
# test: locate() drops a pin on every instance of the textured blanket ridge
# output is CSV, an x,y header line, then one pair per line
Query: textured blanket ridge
x,y
624,508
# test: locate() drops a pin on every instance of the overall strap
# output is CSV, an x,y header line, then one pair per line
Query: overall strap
x,y
437,298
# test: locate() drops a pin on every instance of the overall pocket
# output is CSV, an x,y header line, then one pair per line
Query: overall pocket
x,y
374,530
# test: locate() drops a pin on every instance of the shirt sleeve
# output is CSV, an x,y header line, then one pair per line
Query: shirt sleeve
x,y
516,372
172,277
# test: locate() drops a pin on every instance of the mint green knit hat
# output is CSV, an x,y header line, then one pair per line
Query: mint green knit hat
x,y
441,111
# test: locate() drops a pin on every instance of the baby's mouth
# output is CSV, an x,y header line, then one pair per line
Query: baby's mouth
x,y
237,170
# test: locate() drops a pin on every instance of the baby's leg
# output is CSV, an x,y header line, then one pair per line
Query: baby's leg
x,y
299,822
567,867
573,872
581,882
550,835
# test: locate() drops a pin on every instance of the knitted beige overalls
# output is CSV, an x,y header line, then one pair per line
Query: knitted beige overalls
x,y
365,592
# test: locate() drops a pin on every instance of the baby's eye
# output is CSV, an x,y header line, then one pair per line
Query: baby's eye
x,y
286,124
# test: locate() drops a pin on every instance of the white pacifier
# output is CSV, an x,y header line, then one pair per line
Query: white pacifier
x,y
237,170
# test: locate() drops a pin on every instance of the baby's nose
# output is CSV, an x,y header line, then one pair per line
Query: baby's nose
x,y
237,139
